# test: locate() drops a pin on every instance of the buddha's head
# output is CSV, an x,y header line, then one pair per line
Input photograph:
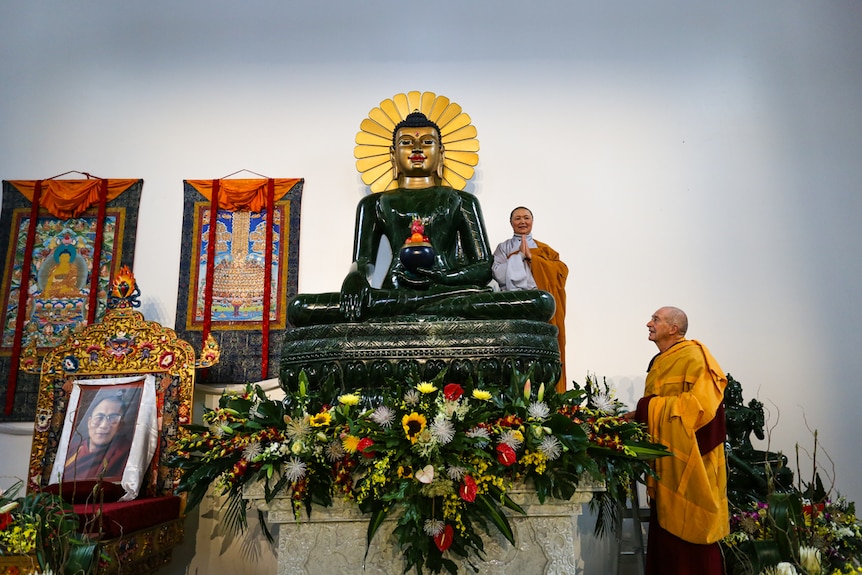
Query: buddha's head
x,y
417,151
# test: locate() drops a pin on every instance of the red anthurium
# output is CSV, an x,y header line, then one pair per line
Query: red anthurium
x,y
506,455
363,446
453,391
443,540
468,489
5,520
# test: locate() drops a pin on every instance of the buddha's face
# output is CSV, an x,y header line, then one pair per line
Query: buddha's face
x,y
417,151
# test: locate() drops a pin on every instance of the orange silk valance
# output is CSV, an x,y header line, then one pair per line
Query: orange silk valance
x,y
237,194
66,199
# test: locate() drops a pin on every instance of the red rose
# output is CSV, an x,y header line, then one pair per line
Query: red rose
x,y
468,489
443,540
506,455
363,445
453,391
5,520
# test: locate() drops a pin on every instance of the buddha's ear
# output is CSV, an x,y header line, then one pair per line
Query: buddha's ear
x,y
440,163
393,162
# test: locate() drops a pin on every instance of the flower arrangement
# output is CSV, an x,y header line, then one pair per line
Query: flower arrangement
x,y
437,458
792,532
795,529
44,526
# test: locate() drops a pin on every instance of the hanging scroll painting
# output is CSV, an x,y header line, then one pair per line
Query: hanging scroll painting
x,y
61,265
243,236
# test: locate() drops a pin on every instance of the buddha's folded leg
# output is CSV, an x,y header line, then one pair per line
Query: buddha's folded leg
x,y
312,309
536,305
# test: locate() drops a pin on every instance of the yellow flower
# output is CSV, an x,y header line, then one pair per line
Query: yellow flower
x,y
426,387
481,395
413,424
405,472
349,443
348,399
320,419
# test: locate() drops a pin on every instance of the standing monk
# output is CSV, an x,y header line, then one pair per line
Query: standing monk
x,y
522,263
682,408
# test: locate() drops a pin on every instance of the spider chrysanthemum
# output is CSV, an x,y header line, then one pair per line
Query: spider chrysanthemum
x,y
457,134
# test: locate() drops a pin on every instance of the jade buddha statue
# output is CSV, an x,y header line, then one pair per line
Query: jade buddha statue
x,y
448,277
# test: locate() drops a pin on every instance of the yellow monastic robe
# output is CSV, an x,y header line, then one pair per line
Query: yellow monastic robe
x,y
691,493
550,275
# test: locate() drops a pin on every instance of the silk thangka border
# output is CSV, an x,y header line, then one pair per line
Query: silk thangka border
x,y
240,342
118,249
239,269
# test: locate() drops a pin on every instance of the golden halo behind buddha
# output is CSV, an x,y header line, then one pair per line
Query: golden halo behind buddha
x,y
374,139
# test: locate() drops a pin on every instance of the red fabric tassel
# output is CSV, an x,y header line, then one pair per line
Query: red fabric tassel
x,y
211,253
93,300
267,279
23,295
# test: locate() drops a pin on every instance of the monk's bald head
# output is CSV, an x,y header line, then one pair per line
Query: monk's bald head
x,y
677,317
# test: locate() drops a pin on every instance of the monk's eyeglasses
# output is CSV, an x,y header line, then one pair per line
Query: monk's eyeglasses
x,y
98,419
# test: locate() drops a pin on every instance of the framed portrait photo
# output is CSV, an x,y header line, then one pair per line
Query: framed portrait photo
x,y
110,433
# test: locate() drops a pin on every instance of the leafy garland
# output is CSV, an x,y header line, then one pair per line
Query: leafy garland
x,y
438,458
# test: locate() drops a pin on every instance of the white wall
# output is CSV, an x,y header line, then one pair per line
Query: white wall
x,y
703,155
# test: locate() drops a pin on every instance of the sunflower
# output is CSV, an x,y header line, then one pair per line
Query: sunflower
x,y
413,424
321,419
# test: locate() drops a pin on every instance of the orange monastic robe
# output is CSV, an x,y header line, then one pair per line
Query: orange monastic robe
x,y
691,493
550,275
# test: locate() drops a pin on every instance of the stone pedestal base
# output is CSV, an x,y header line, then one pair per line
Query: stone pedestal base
x,y
366,354
332,541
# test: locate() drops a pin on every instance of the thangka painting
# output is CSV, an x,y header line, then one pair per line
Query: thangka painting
x,y
62,253
238,269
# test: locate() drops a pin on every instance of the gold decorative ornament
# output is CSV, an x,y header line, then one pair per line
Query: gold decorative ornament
x,y
457,135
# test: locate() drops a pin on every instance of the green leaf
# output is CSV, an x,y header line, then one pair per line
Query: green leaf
x,y
374,524
493,512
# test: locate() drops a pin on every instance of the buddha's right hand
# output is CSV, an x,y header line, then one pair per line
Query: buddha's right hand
x,y
354,296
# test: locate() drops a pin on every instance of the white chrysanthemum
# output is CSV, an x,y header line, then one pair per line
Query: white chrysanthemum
x,y
455,472
298,427
411,397
335,451
604,402
551,447
294,469
512,439
538,410
433,527
251,451
216,430
480,433
383,416
442,430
